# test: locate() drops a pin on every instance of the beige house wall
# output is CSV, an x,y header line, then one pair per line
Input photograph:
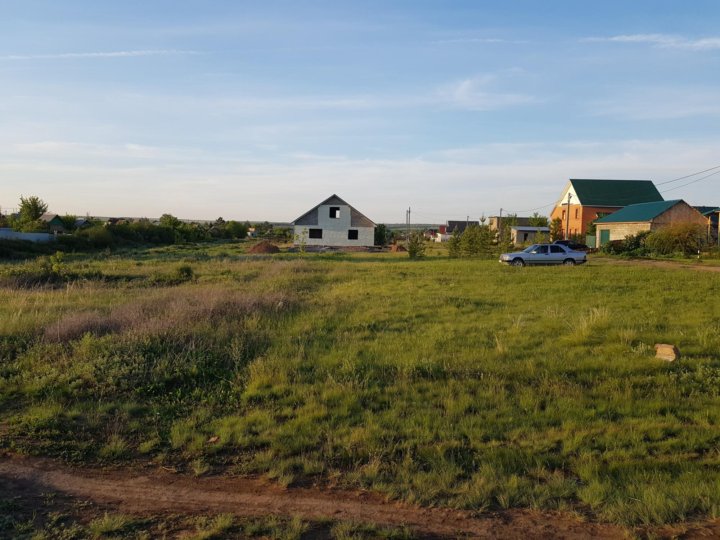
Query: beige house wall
x,y
618,231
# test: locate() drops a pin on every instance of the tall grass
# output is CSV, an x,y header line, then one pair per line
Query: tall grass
x,y
442,382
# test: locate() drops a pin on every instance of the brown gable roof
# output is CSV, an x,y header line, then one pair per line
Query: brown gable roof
x,y
357,219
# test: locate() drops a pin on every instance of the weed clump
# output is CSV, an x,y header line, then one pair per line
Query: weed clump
x,y
181,274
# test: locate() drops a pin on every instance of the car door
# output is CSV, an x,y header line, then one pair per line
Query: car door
x,y
540,255
557,254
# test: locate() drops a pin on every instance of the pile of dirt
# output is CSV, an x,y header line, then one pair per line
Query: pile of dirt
x,y
397,248
264,247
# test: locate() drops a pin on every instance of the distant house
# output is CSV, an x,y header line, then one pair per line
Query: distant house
x,y
334,222
520,234
444,232
712,214
82,223
650,216
495,222
54,222
593,199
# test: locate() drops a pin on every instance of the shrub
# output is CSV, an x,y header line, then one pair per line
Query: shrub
x,y
684,238
633,244
181,274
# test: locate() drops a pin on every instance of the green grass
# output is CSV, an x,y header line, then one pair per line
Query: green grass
x,y
459,383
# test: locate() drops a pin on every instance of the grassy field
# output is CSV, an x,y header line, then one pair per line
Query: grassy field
x,y
456,383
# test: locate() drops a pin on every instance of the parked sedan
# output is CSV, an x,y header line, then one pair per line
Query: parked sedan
x,y
572,245
544,254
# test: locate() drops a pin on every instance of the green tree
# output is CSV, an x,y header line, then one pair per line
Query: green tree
x,y
536,220
454,248
381,235
31,208
68,222
471,241
416,245
556,229
170,221
235,229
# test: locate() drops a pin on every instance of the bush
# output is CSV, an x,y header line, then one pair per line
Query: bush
x,y
686,239
181,274
98,237
633,244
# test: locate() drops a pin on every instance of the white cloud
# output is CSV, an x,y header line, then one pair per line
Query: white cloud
x,y
668,41
475,94
106,54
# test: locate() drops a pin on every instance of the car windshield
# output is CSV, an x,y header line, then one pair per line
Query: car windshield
x,y
530,249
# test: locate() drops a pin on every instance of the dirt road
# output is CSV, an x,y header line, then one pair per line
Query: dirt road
x,y
153,491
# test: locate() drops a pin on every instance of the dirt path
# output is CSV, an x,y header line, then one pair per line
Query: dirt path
x,y
156,491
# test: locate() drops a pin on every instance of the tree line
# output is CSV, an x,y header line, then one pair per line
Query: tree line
x,y
167,230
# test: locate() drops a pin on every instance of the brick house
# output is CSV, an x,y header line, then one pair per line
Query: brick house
x,y
592,199
646,217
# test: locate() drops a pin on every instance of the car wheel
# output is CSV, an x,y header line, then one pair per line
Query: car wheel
x,y
569,262
518,262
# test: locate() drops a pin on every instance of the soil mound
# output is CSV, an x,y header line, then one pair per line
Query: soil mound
x,y
264,247
397,248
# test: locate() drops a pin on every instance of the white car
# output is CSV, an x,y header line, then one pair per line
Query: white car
x,y
544,254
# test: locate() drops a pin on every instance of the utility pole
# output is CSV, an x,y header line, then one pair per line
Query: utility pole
x,y
499,226
567,225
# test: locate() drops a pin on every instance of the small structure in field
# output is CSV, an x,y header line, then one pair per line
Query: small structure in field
x,y
334,222
646,217
521,234
444,232
54,222
668,352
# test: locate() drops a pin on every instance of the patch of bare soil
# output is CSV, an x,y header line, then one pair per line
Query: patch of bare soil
x,y
156,491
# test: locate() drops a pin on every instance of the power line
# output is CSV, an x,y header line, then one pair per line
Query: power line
x,y
688,176
692,182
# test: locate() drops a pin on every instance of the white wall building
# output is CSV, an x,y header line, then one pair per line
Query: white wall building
x,y
520,235
334,222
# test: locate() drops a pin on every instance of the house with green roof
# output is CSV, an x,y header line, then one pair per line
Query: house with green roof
x,y
712,214
585,200
650,216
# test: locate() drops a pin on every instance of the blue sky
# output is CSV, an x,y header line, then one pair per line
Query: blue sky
x,y
259,110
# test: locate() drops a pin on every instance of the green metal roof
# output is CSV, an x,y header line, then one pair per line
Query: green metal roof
x,y
638,212
707,210
614,192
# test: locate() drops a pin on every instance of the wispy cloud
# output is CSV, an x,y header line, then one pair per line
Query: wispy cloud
x,y
667,41
100,54
475,94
